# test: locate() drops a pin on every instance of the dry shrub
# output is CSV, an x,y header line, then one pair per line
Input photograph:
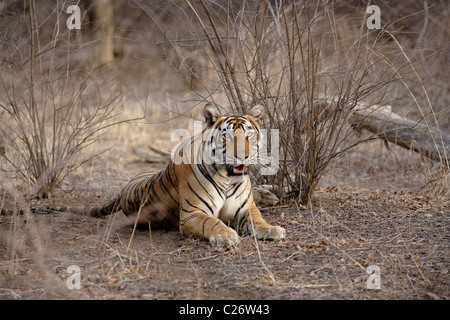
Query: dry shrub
x,y
287,57
50,111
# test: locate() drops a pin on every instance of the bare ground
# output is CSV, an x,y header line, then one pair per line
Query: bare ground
x,y
365,213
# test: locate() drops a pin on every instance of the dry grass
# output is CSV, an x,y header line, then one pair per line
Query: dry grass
x,y
325,255
372,206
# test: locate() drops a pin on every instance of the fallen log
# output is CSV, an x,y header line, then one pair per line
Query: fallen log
x,y
389,126
414,135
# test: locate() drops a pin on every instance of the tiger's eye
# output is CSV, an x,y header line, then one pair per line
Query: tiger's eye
x,y
227,136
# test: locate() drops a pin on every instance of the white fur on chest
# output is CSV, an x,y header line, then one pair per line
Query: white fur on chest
x,y
236,205
231,205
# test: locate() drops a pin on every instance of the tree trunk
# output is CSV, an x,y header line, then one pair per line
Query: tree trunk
x,y
103,16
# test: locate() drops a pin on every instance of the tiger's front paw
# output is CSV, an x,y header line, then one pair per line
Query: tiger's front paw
x,y
270,232
224,237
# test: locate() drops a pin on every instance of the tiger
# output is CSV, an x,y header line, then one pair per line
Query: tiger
x,y
205,190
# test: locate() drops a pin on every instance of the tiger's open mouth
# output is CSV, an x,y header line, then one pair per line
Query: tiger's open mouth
x,y
237,170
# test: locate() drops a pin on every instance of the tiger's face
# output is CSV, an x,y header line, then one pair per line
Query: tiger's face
x,y
232,140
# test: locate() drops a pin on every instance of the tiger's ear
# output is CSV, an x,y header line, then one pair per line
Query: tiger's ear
x,y
211,113
257,112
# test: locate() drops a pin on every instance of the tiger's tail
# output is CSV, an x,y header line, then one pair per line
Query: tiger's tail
x,y
105,209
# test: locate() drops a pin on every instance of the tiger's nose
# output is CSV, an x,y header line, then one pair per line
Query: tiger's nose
x,y
241,157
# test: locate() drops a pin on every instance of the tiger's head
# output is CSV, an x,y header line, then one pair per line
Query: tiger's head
x,y
231,141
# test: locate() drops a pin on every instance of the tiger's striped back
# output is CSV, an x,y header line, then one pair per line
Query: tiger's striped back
x,y
154,198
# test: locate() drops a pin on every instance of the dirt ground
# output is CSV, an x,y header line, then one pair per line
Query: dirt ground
x,y
375,210
367,212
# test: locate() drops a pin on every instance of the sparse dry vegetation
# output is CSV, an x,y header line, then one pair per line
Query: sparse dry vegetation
x,y
71,121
